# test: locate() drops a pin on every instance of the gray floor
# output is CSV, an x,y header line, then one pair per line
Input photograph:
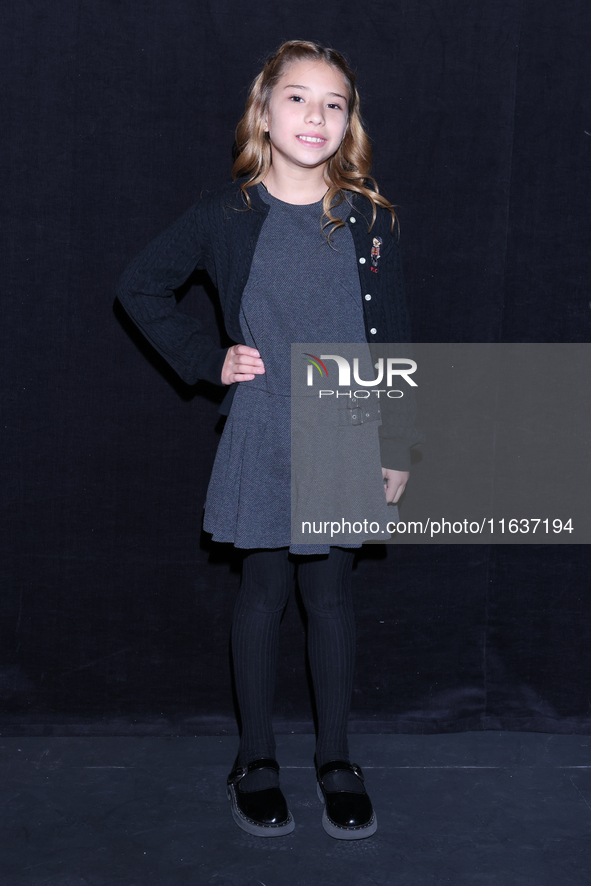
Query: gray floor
x,y
472,808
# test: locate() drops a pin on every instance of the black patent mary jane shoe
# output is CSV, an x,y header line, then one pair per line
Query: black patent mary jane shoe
x,y
262,813
348,814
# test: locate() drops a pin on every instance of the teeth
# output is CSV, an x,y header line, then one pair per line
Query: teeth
x,y
307,138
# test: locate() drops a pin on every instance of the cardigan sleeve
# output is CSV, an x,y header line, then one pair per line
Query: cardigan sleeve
x,y
146,291
397,433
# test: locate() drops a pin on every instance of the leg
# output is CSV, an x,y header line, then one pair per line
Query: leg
x,y
325,584
258,805
266,581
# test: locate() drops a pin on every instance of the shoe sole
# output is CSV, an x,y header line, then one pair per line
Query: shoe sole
x,y
341,833
253,827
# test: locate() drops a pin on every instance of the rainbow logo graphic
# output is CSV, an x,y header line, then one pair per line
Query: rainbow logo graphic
x,y
317,362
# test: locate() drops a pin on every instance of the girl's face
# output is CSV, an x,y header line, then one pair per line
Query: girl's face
x,y
307,115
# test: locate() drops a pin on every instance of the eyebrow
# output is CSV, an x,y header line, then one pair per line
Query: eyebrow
x,y
307,88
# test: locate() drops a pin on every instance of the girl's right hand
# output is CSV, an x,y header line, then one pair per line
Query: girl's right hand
x,y
241,364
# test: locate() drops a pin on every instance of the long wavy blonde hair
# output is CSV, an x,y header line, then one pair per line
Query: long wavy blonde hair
x,y
347,170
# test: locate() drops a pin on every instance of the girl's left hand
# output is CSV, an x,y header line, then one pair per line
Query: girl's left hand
x,y
395,482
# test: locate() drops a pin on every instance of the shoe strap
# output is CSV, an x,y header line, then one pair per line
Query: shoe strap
x,y
340,766
239,772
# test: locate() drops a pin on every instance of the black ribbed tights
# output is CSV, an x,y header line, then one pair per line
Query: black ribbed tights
x,y
325,585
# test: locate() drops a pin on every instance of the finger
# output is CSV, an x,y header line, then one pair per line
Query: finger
x,y
399,492
390,490
243,377
245,350
245,364
245,360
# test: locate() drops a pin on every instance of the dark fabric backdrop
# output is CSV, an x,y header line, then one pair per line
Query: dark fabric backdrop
x,y
115,115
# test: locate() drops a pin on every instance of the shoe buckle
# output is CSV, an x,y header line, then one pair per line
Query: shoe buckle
x,y
357,770
238,774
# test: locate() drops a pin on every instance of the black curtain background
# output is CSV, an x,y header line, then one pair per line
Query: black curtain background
x,y
115,608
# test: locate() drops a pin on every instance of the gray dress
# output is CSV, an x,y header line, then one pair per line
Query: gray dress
x,y
300,289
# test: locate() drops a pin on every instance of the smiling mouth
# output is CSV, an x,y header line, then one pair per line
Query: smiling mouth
x,y
311,140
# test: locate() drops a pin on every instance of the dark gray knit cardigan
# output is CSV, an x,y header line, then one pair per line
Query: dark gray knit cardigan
x,y
219,234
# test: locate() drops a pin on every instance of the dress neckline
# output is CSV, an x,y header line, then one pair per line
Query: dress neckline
x,y
269,198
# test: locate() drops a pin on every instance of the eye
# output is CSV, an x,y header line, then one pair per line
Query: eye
x,y
335,105
296,98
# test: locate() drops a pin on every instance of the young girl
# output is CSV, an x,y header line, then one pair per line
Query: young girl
x,y
301,247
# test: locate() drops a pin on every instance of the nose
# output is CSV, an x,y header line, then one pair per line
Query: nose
x,y
315,113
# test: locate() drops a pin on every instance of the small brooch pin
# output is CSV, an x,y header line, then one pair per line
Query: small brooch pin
x,y
375,253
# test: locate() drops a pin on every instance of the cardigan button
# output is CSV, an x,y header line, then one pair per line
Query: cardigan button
x,y
368,297
373,330
352,220
361,261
